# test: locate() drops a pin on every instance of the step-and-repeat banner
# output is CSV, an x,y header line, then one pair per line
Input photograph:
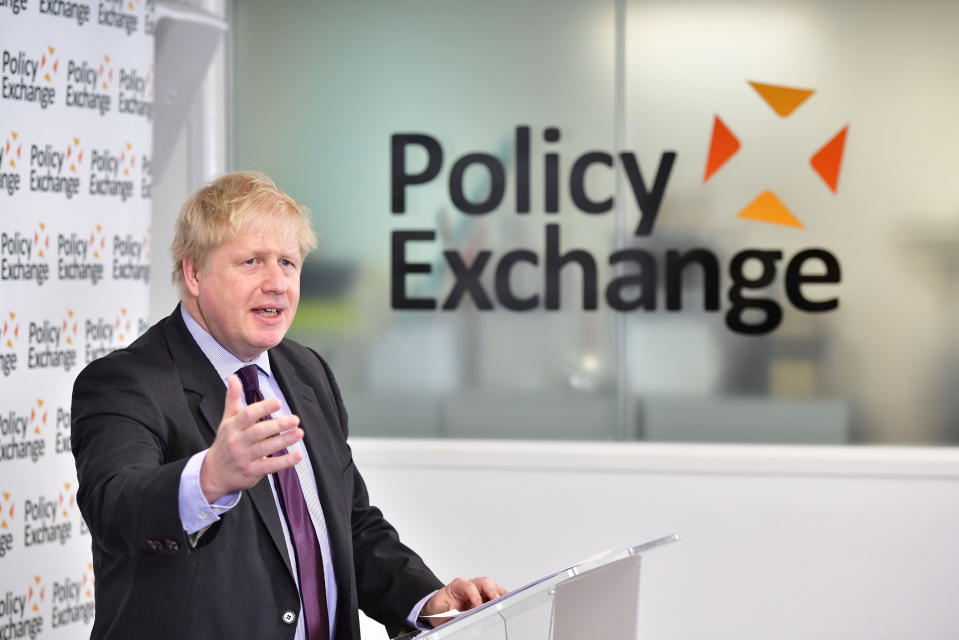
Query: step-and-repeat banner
x,y
76,113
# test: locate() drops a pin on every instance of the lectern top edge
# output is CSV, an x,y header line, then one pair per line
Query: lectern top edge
x,y
491,619
653,544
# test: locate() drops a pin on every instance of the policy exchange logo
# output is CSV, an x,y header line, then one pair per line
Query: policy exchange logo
x,y
11,150
75,155
54,64
10,155
6,511
6,523
38,416
41,239
123,325
826,161
9,336
72,599
11,330
69,327
36,594
105,73
67,500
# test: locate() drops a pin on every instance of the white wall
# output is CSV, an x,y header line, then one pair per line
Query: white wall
x,y
777,542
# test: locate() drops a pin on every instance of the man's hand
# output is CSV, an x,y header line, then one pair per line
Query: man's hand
x,y
241,452
461,594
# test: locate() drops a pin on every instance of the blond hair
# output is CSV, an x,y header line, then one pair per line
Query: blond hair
x,y
229,206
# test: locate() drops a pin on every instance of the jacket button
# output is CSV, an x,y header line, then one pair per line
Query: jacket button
x,y
289,617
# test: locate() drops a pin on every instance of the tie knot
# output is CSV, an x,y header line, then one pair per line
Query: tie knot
x,y
249,378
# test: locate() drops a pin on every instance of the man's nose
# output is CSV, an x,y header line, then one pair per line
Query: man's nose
x,y
274,281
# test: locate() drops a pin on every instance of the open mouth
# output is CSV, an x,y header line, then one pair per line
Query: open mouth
x,y
268,312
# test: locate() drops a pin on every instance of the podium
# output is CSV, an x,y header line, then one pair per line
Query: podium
x,y
596,598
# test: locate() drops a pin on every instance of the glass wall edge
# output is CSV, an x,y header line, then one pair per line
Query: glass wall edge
x,y
639,457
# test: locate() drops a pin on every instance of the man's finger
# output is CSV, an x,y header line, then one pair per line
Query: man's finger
x,y
264,429
269,446
251,414
488,588
465,593
234,396
266,466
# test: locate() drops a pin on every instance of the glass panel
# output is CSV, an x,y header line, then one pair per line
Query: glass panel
x,y
868,371
836,164
321,88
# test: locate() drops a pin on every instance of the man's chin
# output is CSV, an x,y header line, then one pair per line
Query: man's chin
x,y
268,340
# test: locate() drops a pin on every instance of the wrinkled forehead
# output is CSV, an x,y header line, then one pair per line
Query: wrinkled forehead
x,y
275,224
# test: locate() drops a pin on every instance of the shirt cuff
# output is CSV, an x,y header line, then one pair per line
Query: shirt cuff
x,y
195,512
413,620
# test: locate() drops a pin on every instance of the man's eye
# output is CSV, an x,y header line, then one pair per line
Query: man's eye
x,y
250,261
287,263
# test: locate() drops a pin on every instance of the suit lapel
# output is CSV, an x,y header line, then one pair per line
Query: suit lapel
x,y
327,469
200,379
262,498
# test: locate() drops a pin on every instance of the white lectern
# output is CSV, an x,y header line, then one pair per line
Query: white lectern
x,y
597,598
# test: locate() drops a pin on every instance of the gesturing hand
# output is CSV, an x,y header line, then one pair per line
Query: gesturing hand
x,y
461,594
240,454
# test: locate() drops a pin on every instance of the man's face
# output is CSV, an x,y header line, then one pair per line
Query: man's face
x,y
246,294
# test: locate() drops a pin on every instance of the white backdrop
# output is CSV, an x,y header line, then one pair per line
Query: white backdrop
x,y
76,129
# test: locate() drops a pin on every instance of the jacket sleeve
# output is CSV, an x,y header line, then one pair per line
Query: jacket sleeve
x,y
128,489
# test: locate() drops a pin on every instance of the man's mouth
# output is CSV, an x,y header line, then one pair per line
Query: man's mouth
x,y
267,312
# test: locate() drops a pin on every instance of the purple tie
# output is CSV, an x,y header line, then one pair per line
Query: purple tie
x,y
309,558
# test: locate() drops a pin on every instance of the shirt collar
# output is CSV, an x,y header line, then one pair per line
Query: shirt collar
x,y
222,360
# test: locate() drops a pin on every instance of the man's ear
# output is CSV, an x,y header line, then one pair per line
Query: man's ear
x,y
191,276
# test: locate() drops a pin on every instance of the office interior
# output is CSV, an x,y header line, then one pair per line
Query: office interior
x,y
810,470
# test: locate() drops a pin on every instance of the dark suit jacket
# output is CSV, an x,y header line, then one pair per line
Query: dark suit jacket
x,y
138,415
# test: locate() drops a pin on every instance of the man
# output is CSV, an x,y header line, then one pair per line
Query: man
x,y
229,508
